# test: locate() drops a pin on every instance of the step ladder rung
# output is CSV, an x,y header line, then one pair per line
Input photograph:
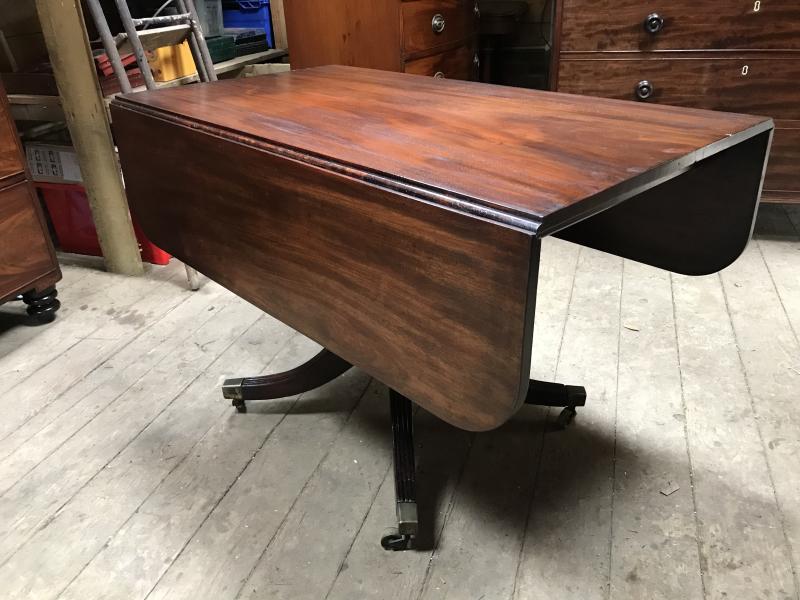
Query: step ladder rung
x,y
157,37
163,20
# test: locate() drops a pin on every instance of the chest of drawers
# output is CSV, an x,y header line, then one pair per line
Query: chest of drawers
x,y
739,56
424,37
27,262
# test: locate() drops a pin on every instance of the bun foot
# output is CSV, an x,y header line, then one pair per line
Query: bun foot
x,y
42,306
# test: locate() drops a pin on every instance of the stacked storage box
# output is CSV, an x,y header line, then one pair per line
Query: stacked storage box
x,y
248,41
248,14
221,48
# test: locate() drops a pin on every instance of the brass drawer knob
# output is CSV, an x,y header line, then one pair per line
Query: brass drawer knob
x,y
438,75
437,23
653,23
644,89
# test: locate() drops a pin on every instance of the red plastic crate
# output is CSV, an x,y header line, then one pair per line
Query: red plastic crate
x,y
69,210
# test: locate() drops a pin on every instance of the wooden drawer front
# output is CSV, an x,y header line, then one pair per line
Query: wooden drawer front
x,y
783,170
761,86
687,25
24,248
457,17
460,63
10,160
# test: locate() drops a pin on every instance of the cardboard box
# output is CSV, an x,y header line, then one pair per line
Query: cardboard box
x,y
171,62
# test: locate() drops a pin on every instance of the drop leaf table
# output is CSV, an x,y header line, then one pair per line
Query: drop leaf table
x,y
397,219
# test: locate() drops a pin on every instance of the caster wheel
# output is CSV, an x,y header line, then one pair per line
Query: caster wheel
x,y
396,542
240,406
566,417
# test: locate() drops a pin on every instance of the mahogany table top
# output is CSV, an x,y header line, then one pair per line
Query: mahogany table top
x,y
537,160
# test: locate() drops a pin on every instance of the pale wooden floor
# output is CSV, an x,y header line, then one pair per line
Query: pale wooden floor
x,y
123,474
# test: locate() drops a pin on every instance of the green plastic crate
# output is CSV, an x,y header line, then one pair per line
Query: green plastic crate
x,y
221,48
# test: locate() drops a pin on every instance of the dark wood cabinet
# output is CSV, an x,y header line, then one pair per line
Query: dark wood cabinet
x,y
634,25
424,37
28,265
738,56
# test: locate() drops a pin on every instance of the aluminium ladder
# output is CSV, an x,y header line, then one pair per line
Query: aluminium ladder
x,y
187,16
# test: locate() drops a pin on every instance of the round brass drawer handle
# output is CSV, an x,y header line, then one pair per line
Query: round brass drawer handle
x,y
653,23
438,75
437,23
644,90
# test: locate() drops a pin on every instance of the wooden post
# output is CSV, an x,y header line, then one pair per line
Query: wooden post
x,y
279,24
67,43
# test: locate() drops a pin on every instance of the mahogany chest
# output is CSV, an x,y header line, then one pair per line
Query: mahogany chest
x,y
424,37
741,56
28,265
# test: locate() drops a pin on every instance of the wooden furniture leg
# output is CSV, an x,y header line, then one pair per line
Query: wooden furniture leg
x,y
42,306
545,393
405,474
540,393
324,367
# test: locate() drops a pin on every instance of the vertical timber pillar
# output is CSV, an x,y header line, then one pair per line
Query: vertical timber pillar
x,y
67,43
279,24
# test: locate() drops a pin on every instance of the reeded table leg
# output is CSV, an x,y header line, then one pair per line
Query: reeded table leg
x,y
324,367
405,474
542,393
42,306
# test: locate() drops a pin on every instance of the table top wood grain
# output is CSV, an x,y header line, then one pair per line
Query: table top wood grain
x,y
537,160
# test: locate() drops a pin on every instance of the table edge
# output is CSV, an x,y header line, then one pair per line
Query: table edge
x,y
520,219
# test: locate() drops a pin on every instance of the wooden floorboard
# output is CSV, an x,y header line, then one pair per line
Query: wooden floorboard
x,y
139,550
740,527
770,355
93,300
123,473
25,511
230,542
567,548
35,378
781,259
793,214
94,352
329,511
778,239
365,573
16,329
71,410
654,552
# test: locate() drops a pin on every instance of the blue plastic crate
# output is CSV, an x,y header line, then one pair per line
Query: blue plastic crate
x,y
249,14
